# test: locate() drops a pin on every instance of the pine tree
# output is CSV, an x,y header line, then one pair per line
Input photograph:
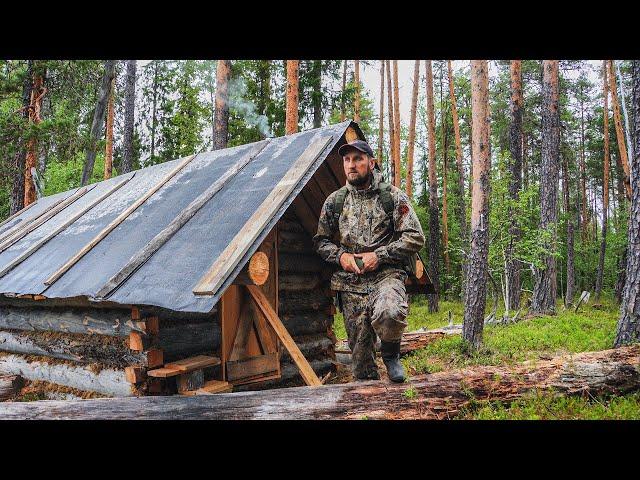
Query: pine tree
x,y
545,291
129,116
628,330
221,119
412,129
477,268
434,220
291,124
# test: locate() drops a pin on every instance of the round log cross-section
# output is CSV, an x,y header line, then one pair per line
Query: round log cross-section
x,y
256,272
419,269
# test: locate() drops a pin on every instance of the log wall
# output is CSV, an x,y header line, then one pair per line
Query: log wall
x,y
90,349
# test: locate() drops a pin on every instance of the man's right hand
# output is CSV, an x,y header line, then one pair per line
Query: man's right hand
x,y
348,263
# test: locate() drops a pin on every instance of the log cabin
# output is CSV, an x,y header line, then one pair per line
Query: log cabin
x,y
191,277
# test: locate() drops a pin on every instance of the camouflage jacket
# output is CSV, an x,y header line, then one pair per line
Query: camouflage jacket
x,y
364,226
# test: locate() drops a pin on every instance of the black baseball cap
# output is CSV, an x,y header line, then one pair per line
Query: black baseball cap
x,y
360,145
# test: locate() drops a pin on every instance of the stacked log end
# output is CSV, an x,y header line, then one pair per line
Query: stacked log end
x,y
100,350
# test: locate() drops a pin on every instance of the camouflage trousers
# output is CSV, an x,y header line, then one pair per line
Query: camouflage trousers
x,y
382,312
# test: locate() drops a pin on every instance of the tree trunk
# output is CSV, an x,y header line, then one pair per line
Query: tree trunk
x,y
37,92
291,122
434,216
221,121
317,93
627,129
445,168
392,134
381,116
154,121
571,274
108,153
343,113
462,210
544,296
129,116
98,120
437,396
622,148
515,184
396,120
412,129
605,183
17,192
628,330
356,105
583,171
475,298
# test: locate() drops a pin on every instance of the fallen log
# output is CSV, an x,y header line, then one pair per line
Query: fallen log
x,y
436,396
410,340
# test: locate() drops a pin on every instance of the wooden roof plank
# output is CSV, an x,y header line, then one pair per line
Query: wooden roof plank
x,y
27,253
48,214
117,221
229,258
177,223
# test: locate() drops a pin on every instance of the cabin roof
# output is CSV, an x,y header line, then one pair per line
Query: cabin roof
x,y
168,277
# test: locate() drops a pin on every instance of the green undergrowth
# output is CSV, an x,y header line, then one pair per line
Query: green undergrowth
x,y
528,339
539,406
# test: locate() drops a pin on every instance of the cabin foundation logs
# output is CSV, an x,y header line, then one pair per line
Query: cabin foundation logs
x,y
102,350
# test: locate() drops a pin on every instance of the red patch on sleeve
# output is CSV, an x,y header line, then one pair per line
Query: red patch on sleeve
x,y
404,209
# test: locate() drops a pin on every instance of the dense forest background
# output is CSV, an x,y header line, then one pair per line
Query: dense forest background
x,y
173,115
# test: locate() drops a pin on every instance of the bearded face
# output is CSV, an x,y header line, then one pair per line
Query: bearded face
x,y
358,167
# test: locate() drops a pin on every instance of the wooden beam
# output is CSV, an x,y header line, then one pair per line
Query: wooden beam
x,y
117,221
229,258
252,367
19,212
142,255
306,371
23,232
27,253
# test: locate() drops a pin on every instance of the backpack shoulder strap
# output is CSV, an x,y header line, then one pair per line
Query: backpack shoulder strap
x,y
386,198
338,200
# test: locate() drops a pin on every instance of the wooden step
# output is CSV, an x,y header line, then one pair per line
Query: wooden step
x,y
184,366
210,388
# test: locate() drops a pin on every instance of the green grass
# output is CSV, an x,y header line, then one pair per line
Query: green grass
x,y
537,406
529,339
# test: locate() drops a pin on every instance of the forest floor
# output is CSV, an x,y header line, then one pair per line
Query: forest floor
x,y
589,329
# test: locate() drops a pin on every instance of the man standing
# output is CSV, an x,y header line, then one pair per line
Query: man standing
x,y
376,233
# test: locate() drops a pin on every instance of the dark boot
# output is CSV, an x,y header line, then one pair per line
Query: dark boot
x,y
390,352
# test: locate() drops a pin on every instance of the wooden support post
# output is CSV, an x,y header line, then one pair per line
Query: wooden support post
x,y
262,302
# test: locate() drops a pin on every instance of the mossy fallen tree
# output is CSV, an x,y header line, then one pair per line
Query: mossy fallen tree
x,y
437,396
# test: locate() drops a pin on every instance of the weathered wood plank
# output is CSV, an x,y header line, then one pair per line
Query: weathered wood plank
x,y
117,221
177,223
229,258
26,229
36,246
251,367
437,396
